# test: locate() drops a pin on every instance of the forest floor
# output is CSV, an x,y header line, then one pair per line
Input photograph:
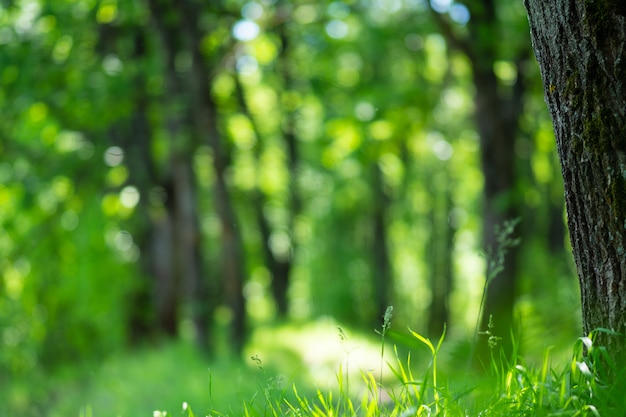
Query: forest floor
x,y
310,357
162,377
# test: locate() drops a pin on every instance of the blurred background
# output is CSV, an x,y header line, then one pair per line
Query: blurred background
x,y
208,170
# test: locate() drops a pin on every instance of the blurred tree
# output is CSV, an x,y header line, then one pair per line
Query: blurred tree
x,y
381,78
579,47
166,223
187,279
153,230
155,302
382,274
205,114
334,136
441,251
498,108
278,259
286,67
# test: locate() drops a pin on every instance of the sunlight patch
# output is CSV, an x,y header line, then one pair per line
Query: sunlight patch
x,y
129,196
337,29
252,11
459,14
246,30
113,156
441,6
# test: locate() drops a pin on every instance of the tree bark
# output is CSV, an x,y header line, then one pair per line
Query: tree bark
x,y
580,49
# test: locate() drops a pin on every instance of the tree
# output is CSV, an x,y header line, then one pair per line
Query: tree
x,y
171,242
206,127
279,263
441,252
580,49
498,108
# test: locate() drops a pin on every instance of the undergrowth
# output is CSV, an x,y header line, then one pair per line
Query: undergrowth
x,y
506,389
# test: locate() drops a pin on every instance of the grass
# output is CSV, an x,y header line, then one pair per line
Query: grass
x,y
138,382
318,369
508,389
290,367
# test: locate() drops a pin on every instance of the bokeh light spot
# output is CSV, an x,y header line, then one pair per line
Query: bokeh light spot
x,y
113,156
129,196
337,29
246,30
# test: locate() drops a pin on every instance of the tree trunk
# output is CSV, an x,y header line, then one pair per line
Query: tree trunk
x,y
382,275
441,247
496,119
556,227
497,110
233,266
279,265
187,245
182,219
154,304
206,119
580,49
161,269
280,285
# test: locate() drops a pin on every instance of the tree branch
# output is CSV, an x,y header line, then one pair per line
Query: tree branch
x,y
459,43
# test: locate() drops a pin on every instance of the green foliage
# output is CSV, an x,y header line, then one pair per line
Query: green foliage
x,y
573,389
364,86
161,379
421,381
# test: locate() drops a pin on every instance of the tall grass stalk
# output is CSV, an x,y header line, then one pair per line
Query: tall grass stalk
x,y
578,390
383,332
343,378
434,351
495,265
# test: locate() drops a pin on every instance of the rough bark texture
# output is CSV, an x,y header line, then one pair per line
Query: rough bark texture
x,y
580,49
